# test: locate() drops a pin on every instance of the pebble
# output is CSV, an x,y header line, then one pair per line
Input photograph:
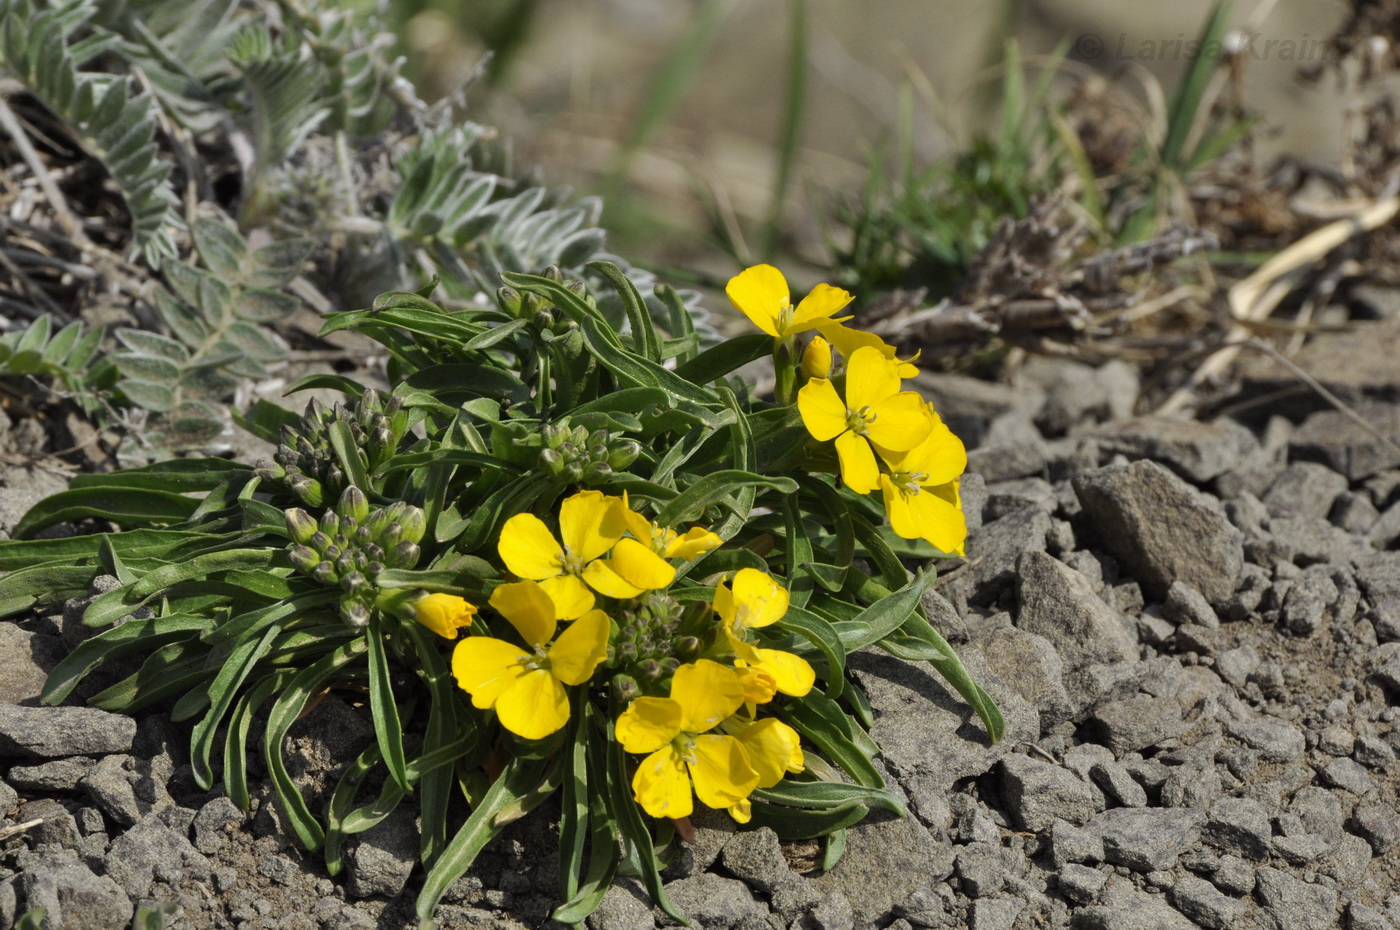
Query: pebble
x,y
1199,900
1239,826
1080,883
1292,904
1147,840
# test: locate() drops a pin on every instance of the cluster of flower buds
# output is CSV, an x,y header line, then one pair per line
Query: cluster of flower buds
x,y
351,544
582,456
551,324
651,644
305,461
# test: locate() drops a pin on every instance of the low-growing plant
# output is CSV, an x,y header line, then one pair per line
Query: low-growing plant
x,y
557,559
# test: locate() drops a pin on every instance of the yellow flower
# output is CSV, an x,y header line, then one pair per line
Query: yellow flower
x,y
526,685
919,501
672,730
774,750
761,294
874,411
590,523
816,359
757,601
846,340
444,614
666,542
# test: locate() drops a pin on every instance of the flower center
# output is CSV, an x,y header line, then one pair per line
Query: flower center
x,y
909,482
684,745
570,564
785,313
858,420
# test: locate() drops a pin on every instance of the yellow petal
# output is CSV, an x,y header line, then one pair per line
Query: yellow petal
x,y
578,650
819,306
528,607
444,614
648,723
742,812
603,578
590,523
823,412
816,359
535,706
570,595
638,525
898,511
792,674
724,604
707,692
484,667
858,468
721,771
760,293
529,549
696,542
774,749
846,340
901,422
939,522
940,458
744,652
759,600
640,566
661,785
870,377
759,686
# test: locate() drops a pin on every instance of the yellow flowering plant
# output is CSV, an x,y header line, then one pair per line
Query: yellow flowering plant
x,y
564,554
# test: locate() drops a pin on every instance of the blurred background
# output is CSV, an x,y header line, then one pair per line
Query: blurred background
x,y
724,131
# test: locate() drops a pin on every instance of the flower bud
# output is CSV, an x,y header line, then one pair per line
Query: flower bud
x,y
304,558
324,572
319,541
508,299
816,359
444,614
414,523
552,273
404,555
551,462
623,453
308,490
345,564
553,434
649,669
353,506
301,526
355,614
597,473
625,686
353,583
373,568
688,646
573,471
331,552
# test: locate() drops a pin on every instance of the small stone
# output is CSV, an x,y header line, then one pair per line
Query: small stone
x,y
1239,826
1349,861
1234,876
1080,883
1118,784
1307,603
381,861
58,775
1334,438
713,831
1123,907
277,869
1069,843
833,913
1361,917
54,732
72,895
149,852
1301,849
1373,752
1184,604
1147,839
625,906
995,913
1006,497
1135,723
57,826
1378,824
25,661
1037,793
982,868
1236,665
714,901
1199,900
1354,512
1196,450
998,546
1292,904
1336,740
1191,786
1304,489
1320,812
1348,774
1275,740
1161,529
213,822
1029,664
756,857
1388,673
126,788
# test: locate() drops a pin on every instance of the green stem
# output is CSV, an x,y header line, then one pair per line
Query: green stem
x,y
785,370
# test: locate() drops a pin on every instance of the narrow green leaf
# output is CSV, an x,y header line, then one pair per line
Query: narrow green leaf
x,y
127,507
729,356
712,489
388,730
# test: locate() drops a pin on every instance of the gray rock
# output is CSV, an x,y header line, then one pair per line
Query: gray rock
x,y
73,897
1301,849
1378,824
53,732
962,396
1234,876
1161,529
1331,437
1349,861
1058,603
58,775
126,788
1147,839
381,861
1030,665
756,857
1199,900
1305,489
1373,752
972,494
834,912
1135,723
1007,497
926,733
1336,740
213,823
1239,826
1069,843
58,827
1388,672
1036,793
150,852
1275,740
1361,917
25,661
1320,812
9,799
712,901
23,488
1236,665
1186,605
982,868
1118,784
796,895
1292,904
1080,883
625,906
1308,603
885,863
1123,907
998,545
1349,775
1195,450
1353,511
713,831
1072,392
995,913
1191,786
9,905
1011,448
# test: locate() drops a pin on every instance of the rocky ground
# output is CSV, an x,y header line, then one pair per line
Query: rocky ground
x,y
1192,627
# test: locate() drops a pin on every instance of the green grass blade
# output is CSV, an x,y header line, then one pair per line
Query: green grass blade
x,y
794,109
1186,104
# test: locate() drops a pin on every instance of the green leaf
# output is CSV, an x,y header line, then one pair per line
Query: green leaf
x,y
388,730
193,474
153,344
798,824
221,247
221,695
265,420
348,454
712,489
638,316
884,616
172,669
820,634
729,356
134,636
829,795
151,368
128,507
518,779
